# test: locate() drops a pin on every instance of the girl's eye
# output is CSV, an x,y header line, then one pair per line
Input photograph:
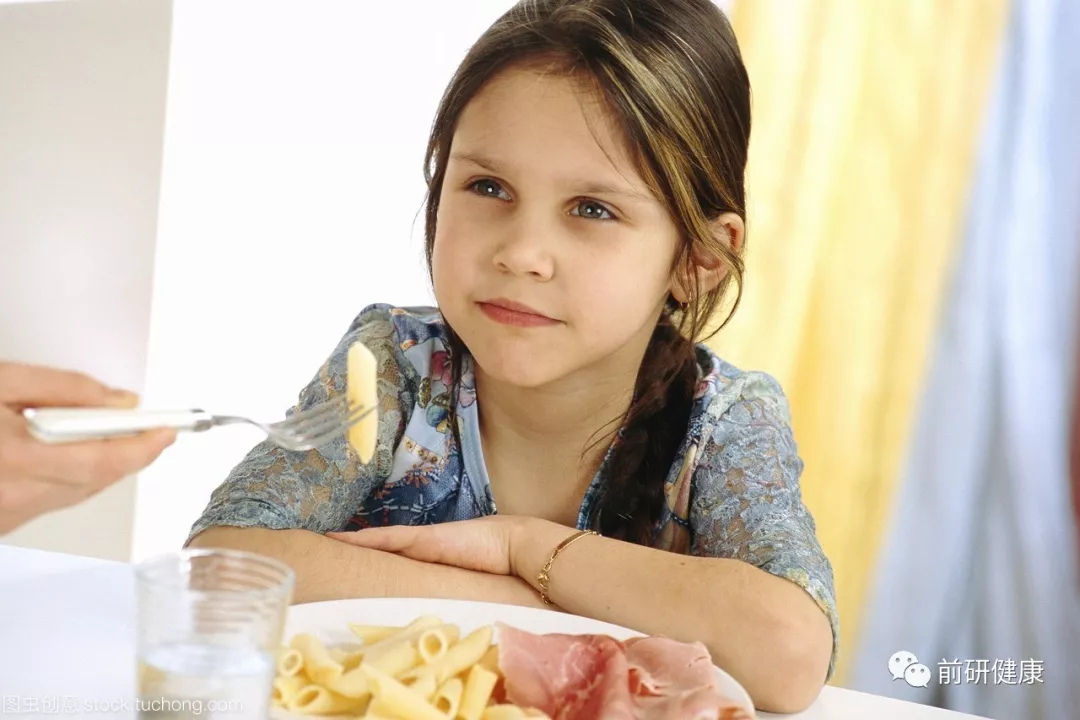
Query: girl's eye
x,y
489,188
592,210
588,209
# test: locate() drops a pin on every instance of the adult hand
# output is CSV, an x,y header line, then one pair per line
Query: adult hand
x,y
35,477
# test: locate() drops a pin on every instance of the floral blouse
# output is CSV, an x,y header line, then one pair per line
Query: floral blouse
x,y
732,491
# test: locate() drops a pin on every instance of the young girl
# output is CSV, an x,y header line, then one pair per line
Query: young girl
x,y
585,218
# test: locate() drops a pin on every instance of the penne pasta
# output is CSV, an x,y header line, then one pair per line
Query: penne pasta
x,y
432,644
424,685
410,632
462,655
150,675
380,710
290,662
477,691
373,633
420,671
286,687
351,661
398,698
361,388
317,700
490,661
395,660
352,684
347,658
447,698
318,665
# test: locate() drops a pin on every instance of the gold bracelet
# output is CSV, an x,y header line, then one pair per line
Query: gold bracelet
x,y
543,579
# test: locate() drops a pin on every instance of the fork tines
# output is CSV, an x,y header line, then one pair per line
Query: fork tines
x,y
320,423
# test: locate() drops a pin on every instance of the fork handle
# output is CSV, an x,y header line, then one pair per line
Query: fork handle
x,y
65,425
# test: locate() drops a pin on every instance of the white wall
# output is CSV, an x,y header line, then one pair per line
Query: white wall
x,y
291,190
82,103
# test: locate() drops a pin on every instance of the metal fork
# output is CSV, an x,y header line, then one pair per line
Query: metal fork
x,y
303,430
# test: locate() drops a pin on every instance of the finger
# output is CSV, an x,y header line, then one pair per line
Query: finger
x,y
95,463
447,544
395,539
35,386
417,543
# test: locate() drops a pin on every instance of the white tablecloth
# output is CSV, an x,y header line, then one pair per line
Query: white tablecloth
x,y
67,646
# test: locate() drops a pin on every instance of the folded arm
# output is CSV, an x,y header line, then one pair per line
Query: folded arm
x,y
330,570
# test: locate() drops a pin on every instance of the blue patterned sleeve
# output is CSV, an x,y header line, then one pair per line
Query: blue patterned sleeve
x,y
319,489
745,497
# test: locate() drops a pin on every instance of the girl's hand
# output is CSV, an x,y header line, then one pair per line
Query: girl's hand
x,y
486,544
36,478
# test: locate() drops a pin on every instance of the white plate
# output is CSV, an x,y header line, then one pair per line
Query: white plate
x,y
329,621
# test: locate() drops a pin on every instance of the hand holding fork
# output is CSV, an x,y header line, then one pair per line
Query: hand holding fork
x,y
303,430
65,437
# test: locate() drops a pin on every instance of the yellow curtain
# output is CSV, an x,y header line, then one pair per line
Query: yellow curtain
x,y
865,121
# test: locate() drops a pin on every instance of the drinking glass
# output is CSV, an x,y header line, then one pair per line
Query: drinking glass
x,y
209,624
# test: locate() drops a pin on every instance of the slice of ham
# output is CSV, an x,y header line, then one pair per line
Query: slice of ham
x,y
595,677
568,677
671,679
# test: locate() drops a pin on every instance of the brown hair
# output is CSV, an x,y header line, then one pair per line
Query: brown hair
x,y
674,82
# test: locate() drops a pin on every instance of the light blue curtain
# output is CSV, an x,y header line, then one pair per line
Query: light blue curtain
x,y
980,562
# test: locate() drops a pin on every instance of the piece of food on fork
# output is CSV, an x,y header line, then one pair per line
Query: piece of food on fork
x,y
362,392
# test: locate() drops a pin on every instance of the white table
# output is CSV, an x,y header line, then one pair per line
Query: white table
x,y
67,638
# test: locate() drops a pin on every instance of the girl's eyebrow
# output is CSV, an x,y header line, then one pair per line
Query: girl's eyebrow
x,y
582,187
477,159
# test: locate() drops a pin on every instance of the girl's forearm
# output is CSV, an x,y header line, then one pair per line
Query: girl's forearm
x,y
764,630
330,570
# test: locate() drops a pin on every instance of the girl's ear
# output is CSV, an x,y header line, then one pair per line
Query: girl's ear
x,y
709,268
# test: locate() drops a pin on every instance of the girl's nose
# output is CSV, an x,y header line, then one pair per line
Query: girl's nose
x,y
525,250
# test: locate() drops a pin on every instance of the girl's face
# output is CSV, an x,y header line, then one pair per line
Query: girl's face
x,y
551,255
